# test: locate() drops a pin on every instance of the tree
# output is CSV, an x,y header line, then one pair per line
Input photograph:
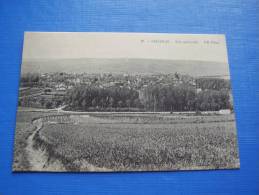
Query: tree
x,y
120,103
42,101
137,103
48,104
94,103
111,102
84,104
128,103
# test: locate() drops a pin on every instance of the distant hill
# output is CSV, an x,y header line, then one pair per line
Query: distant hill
x,y
129,66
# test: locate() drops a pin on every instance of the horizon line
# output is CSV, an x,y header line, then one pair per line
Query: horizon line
x,y
85,58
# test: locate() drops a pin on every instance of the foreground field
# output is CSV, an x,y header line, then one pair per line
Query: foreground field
x,y
106,142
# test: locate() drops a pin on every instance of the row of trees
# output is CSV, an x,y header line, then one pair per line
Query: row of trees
x,y
184,98
92,97
151,98
40,102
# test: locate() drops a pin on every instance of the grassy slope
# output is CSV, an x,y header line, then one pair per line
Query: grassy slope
x,y
139,146
24,128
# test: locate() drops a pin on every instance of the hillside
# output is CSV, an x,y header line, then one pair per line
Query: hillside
x,y
129,66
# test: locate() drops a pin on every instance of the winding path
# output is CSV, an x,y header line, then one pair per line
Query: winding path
x,y
38,158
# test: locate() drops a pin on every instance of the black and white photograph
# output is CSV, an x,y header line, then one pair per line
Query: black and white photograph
x,y
113,102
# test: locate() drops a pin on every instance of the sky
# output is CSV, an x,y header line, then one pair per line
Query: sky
x,y
78,45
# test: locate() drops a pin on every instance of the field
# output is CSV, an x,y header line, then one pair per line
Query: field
x,y
134,142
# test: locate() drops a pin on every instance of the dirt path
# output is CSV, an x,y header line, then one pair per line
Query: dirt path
x,y
40,161
39,158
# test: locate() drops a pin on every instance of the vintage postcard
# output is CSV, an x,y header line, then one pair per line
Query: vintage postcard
x,y
124,102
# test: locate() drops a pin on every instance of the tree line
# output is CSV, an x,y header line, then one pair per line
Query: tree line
x,y
151,98
96,98
184,98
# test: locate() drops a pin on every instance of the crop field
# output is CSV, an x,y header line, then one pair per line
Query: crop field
x,y
134,142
